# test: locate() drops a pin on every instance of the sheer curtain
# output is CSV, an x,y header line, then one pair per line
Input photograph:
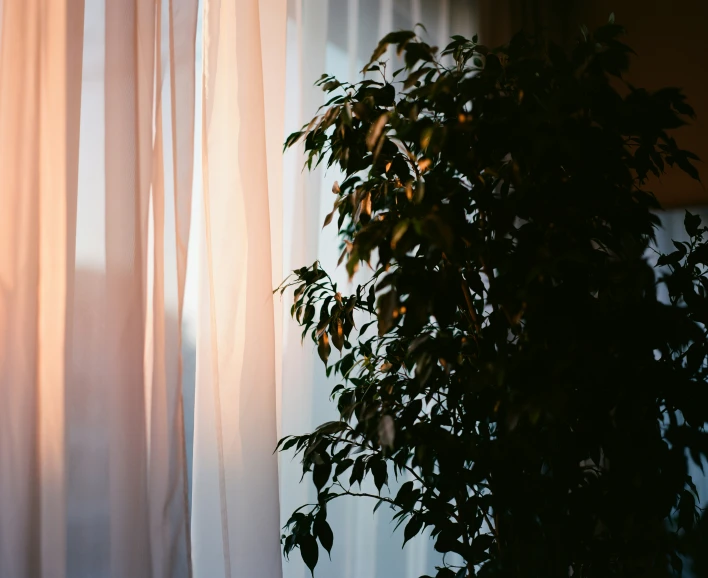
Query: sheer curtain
x,y
97,136
235,493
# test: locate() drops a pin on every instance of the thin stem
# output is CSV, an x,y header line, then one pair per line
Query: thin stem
x,y
347,492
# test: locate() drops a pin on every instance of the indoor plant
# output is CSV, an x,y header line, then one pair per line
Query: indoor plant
x,y
520,370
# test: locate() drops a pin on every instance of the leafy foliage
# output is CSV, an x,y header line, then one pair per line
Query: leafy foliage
x,y
518,372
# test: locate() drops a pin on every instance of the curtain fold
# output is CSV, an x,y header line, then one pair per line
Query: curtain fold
x,y
129,76
94,232
235,488
37,102
273,32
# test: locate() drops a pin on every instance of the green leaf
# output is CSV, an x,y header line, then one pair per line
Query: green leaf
x,y
377,127
416,51
699,255
380,472
309,551
324,533
670,259
398,232
323,347
413,527
691,223
404,491
682,160
681,247
338,335
482,543
447,542
387,311
342,467
288,545
288,444
407,496
378,504
320,475
415,76
357,474
331,427
309,314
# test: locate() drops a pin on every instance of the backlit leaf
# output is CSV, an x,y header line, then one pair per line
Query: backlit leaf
x,y
323,347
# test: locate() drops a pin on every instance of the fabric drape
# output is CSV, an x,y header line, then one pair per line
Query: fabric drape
x,y
96,133
235,497
38,92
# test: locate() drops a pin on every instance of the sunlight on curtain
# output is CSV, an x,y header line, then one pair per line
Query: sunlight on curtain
x,y
38,90
96,126
235,520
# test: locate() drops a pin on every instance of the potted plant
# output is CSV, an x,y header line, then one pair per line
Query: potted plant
x,y
517,369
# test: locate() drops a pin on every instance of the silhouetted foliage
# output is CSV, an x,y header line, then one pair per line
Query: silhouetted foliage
x,y
694,548
523,380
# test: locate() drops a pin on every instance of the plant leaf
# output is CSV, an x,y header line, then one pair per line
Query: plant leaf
x,y
324,533
323,347
413,527
309,550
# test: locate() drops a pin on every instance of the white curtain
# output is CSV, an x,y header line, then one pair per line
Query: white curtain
x,y
97,143
97,133
235,520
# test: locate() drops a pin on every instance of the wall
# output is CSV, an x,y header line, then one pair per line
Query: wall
x,y
672,50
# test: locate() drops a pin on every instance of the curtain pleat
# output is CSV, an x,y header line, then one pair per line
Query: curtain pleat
x,y
183,16
38,101
235,473
273,32
129,77
93,479
182,27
